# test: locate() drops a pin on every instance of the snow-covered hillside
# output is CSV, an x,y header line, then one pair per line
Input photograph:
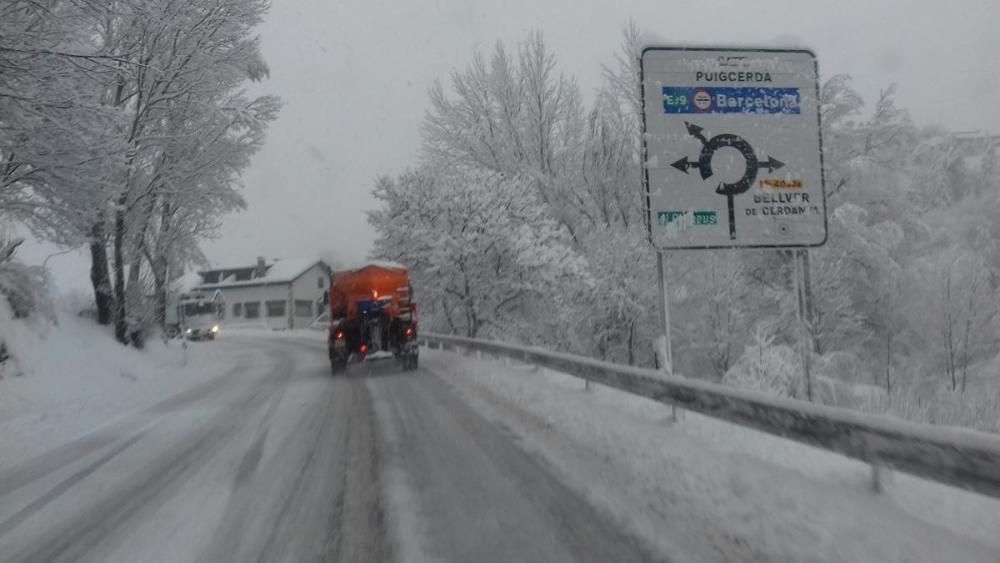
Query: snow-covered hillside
x,y
63,380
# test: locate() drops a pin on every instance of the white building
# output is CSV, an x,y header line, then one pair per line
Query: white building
x,y
281,295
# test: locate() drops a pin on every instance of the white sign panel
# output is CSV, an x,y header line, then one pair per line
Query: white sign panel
x,y
733,150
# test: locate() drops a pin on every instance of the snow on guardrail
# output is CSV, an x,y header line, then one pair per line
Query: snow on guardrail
x,y
962,458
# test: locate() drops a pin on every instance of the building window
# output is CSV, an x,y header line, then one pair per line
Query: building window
x,y
320,282
303,308
251,310
275,308
237,309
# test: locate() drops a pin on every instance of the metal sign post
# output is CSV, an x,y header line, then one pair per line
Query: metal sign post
x,y
801,261
732,153
661,269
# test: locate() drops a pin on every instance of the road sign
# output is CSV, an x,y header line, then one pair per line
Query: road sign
x,y
733,149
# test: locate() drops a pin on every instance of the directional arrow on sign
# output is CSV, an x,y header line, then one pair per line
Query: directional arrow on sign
x,y
696,132
684,164
772,164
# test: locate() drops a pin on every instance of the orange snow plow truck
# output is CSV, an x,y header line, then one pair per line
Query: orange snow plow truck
x,y
372,316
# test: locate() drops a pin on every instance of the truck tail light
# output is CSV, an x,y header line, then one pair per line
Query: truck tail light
x,y
340,335
364,348
409,331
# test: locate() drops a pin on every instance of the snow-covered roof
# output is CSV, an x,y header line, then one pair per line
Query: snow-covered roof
x,y
288,270
379,263
190,279
278,272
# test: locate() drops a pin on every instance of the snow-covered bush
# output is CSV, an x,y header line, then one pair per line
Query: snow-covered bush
x,y
767,367
13,340
841,366
25,288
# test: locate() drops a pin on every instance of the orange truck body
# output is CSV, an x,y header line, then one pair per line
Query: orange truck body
x,y
370,283
371,311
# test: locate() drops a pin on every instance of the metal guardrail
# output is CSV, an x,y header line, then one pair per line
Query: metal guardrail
x,y
962,458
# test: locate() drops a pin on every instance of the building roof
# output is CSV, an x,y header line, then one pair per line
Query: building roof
x,y
278,272
188,280
377,263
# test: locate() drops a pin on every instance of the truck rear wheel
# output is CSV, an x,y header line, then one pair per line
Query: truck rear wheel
x,y
410,362
338,364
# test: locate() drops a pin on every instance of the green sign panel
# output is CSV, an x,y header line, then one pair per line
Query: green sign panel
x,y
697,217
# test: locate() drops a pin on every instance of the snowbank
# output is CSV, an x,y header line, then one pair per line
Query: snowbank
x,y
704,490
64,380
318,333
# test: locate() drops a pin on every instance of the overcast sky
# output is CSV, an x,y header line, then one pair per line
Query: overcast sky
x,y
354,77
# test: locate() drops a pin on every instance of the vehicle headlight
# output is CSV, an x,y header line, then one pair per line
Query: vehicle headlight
x,y
215,328
188,331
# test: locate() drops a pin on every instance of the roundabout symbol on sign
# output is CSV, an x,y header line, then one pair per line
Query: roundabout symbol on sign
x,y
704,165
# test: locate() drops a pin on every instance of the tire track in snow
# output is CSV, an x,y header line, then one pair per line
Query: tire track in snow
x,y
151,487
49,462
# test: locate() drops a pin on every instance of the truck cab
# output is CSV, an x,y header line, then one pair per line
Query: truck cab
x,y
198,318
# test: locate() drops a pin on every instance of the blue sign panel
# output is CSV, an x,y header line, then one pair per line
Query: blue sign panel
x,y
727,99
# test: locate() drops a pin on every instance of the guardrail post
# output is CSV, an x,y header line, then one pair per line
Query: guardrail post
x,y
877,477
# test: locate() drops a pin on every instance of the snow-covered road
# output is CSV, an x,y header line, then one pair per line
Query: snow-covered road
x,y
278,461
255,453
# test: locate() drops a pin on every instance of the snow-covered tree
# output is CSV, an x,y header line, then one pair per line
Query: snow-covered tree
x,y
123,125
179,69
481,249
511,115
54,135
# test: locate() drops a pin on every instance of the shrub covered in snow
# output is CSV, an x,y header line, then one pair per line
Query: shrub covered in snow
x,y
25,295
12,338
767,367
841,366
26,288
